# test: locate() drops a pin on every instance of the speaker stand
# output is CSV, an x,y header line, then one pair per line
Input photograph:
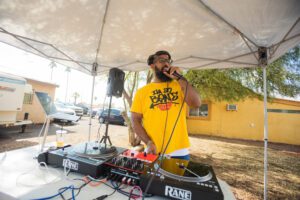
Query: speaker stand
x,y
105,137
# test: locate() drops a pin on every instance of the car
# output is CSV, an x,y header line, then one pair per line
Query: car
x,y
78,110
60,108
84,107
115,117
94,113
99,111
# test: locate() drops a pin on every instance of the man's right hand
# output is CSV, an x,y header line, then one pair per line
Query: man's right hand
x,y
151,148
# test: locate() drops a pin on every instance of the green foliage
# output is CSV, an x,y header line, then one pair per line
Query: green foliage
x,y
216,84
283,78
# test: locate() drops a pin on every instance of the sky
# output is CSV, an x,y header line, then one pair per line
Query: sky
x,y
24,64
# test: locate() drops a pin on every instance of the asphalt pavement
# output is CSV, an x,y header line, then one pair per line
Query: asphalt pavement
x,y
11,138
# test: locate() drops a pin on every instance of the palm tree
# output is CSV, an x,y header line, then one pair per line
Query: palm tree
x,y
52,65
68,70
75,95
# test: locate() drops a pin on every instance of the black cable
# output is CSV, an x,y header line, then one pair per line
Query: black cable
x,y
186,89
78,179
62,196
123,192
166,103
103,183
106,195
79,189
83,185
162,155
130,194
112,193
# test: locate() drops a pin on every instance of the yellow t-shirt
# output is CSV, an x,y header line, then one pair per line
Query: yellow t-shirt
x,y
159,103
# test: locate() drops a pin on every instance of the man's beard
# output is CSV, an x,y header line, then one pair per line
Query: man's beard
x,y
161,76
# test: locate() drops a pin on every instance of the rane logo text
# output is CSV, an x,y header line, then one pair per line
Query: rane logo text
x,y
70,164
178,193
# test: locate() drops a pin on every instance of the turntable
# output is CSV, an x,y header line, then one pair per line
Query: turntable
x,y
85,158
182,179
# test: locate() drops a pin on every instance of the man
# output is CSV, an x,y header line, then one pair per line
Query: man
x,y
157,106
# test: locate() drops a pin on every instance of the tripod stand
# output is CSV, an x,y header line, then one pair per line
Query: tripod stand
x,y
105,137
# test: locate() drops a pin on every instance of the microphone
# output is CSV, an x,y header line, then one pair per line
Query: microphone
x,y
179,76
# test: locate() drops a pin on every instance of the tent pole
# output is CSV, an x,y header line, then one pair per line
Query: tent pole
x,y
265,134
91,109
94,73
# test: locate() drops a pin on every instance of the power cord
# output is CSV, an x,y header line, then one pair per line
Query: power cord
x,y
33,173
166,104
175,124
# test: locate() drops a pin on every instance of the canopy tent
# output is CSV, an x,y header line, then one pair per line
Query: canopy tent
x,y
123,33
94,36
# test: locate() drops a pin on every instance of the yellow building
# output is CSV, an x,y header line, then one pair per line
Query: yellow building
x,y
245,120
31,103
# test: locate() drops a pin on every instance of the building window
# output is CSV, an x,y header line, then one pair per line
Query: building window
x,y
202,112
28,98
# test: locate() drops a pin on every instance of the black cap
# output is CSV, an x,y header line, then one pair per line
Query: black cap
x,y
150,60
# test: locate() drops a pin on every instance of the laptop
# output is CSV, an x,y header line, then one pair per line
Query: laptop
x,y
50,109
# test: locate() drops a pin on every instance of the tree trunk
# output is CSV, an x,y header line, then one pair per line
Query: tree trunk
x,y
134,140
149,76
127,98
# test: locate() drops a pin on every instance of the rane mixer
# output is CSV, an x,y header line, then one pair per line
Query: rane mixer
x,y
129,166
169,177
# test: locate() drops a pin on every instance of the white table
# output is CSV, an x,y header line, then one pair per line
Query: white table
x,y
22,178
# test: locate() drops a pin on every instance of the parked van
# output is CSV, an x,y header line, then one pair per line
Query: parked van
x,y
12,91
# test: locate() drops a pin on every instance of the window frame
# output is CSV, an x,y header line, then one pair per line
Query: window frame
x,y
208,117
28,98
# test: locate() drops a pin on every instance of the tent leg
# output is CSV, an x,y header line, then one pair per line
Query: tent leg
x,y
91,109
45,133
265,134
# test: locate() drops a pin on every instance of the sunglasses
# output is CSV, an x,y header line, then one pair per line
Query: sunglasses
x,y
164,60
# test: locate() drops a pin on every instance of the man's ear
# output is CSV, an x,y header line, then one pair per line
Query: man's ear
x,y
152,66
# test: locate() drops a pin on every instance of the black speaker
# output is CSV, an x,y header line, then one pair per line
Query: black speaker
x,y
262,56
115,83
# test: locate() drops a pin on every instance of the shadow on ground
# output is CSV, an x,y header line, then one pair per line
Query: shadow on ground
x,y
11,138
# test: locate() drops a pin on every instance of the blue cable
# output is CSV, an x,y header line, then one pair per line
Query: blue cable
x,y
61,192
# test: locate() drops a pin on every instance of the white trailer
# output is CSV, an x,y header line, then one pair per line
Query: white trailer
x,y
12,91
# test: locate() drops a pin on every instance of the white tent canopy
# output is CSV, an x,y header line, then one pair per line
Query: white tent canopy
x,y
199,34
123,33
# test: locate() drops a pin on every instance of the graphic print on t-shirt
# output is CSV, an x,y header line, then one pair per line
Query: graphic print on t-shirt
x,y
163,99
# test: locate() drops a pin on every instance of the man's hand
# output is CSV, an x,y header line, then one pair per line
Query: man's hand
x,y
192,97
171,69
151,148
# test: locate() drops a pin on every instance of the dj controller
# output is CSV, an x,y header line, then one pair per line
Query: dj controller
x,y
168,177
